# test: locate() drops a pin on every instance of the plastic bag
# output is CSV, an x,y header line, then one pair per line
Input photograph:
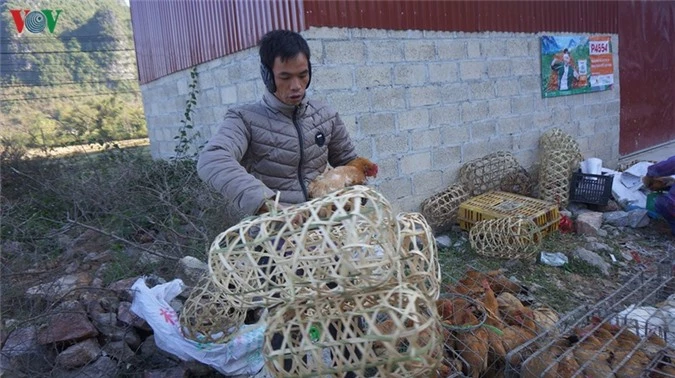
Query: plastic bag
x,y
241,355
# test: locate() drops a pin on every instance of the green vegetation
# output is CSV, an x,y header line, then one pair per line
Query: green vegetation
x,y
75,86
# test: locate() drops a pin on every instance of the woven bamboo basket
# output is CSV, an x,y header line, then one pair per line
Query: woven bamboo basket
x,y
556,139
482,175
554,177
440,210
388,333
272,259
510,237
519,182
207,317
419,255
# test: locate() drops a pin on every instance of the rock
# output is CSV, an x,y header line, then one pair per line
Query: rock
x,y
21,352
132,339
174,372
602,233
98,257
123,288
12,248
638,218
627,256
154,356
577,208
593,259
110,304
56,289
72,267
443,241
177,305
79,354
198,369
589,223
119,350
68,323
125,316
566,213
599,247
191,270
611,206
103,367
106,323
616,218
90,241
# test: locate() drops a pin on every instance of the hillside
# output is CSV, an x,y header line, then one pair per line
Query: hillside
x,y
75,83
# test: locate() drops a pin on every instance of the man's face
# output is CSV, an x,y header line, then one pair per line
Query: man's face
x,y
291,78
566,59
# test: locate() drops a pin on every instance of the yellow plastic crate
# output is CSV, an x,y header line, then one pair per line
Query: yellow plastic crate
x,y
497,204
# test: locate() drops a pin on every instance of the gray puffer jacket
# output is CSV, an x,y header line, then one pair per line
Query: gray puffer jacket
x,y
269,146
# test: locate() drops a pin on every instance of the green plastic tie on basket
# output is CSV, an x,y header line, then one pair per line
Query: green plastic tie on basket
x,y
314,333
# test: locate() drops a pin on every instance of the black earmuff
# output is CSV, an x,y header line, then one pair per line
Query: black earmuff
x,y
268,77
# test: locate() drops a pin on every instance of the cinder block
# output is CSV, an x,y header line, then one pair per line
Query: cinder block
x,y
427,183
415,162
341,52
451,49
413,119
446,156
210,97
482,90
326,33
377,123
369,34
522,104
455,135
316,51
526,141
445,115
483,129
499,107
388,167
454,93
530,84
493,48
471,70
234,72
182,86
384,51
476,150
246,92
446,72
498,68
373,76
422,96
526,158
350,123
391,145
419,50
586,127
474,111
473,48
364,147
525,67
507,87
327,78
387,98
347,102
424,139
405,34
516,47
515,124
410,74
395,188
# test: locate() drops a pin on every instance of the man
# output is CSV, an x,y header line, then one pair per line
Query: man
x,y
280,143
566,72
656,179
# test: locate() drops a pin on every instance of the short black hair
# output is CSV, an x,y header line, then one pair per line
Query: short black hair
x,y
281,43
566,51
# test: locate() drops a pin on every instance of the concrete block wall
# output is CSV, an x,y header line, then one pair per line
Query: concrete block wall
x,y
419,103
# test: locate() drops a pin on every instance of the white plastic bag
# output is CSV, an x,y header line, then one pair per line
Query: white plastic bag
x,y
241,355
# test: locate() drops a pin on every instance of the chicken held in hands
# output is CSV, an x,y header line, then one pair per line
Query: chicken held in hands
x,y
356,172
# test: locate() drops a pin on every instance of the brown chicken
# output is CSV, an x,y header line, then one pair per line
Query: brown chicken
x,y
589,350
496,352
472,346
355,172
658,183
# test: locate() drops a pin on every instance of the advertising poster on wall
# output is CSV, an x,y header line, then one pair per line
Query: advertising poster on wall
x,y
575,64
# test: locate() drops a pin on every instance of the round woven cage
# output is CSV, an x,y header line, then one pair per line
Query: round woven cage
x,y
389,333
207,317
419,255
273,258
510,237
440,210
482,175
519,182
554,177
556,139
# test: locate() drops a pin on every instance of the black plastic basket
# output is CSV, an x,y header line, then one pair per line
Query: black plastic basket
x,y
593,189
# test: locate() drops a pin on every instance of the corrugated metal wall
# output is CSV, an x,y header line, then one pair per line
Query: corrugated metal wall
x,y
174,35
468,16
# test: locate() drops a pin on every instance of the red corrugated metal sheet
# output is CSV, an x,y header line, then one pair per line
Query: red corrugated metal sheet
x,y
646,66
174,35
468,15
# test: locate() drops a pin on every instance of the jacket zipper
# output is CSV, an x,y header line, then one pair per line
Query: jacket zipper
x,y
302,154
